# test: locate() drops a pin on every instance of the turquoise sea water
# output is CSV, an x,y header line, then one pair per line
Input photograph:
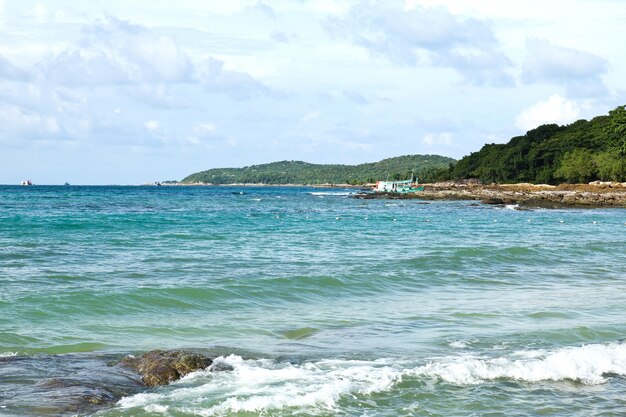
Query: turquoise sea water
x,y
319,303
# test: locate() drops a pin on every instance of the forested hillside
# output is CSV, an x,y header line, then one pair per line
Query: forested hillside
x,y
580,152
297,172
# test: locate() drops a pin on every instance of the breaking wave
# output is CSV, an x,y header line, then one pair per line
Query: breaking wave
x,y
260,386
588,364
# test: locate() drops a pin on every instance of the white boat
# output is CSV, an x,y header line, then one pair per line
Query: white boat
x,y
401,187
26,182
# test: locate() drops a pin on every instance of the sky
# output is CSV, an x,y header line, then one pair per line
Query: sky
x,y
120,92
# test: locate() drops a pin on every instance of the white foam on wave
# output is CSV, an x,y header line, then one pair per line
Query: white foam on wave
x,y
587,364
146,400
8,354
265,386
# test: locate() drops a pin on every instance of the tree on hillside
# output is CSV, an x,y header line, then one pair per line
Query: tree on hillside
x,y
609,166
617,133
577,166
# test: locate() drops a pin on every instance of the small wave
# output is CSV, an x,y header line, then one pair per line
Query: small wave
x,y
588,364
8,354
458,344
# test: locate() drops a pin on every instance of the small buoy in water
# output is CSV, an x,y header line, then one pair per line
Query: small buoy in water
x,y
336,218
495,221
529,220
428,221
460,220
366,218
394,220
594,222
560,221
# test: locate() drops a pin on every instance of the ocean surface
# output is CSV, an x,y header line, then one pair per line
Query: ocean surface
x,y
314,303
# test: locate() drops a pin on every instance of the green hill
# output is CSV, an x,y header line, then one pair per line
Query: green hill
x,y
583,151
297,172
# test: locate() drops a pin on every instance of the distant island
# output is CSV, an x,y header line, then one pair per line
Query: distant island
x,y
303,173
581,152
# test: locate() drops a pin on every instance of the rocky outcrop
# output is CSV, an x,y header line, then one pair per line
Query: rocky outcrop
x,y
82,383
529,195
160,367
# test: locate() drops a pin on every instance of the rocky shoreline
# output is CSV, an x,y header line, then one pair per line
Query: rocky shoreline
x,y
592,195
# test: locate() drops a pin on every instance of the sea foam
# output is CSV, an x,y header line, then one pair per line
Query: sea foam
x,y
261,386
587,364
265,385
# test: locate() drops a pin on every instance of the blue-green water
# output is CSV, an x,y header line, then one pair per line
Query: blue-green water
x,y
322,304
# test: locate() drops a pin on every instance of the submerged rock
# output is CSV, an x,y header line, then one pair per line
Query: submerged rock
x,y
82,383
160,367
63,385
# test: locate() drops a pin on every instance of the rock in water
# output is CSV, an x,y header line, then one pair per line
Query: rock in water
x,y
160,367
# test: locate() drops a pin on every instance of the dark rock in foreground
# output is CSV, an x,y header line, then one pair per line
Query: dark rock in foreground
x,y
160,367
63,385
82,383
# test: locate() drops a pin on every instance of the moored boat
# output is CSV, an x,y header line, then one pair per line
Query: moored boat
x,y
400,187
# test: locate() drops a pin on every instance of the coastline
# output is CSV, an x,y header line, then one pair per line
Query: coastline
x,y
247,184
592,195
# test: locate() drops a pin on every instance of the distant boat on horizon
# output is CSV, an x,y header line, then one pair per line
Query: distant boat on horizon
x,y
26,182
66,184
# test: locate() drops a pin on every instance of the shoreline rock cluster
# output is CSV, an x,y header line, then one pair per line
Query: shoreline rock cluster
x,y
592,195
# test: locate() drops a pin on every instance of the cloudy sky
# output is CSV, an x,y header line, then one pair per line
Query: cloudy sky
x,y
105,92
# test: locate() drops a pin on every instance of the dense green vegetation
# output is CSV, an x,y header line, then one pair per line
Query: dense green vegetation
x,y
426,167
580,152
586,150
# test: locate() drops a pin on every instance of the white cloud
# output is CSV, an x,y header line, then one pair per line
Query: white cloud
x,y
8,71
18,121
445,139
151,125
117,52
236,84
555,109
311,116
421,36
581,72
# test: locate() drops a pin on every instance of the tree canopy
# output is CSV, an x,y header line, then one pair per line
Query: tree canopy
x,y
427,167
585,150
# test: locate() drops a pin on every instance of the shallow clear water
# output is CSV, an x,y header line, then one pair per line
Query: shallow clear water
x,y
321,304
